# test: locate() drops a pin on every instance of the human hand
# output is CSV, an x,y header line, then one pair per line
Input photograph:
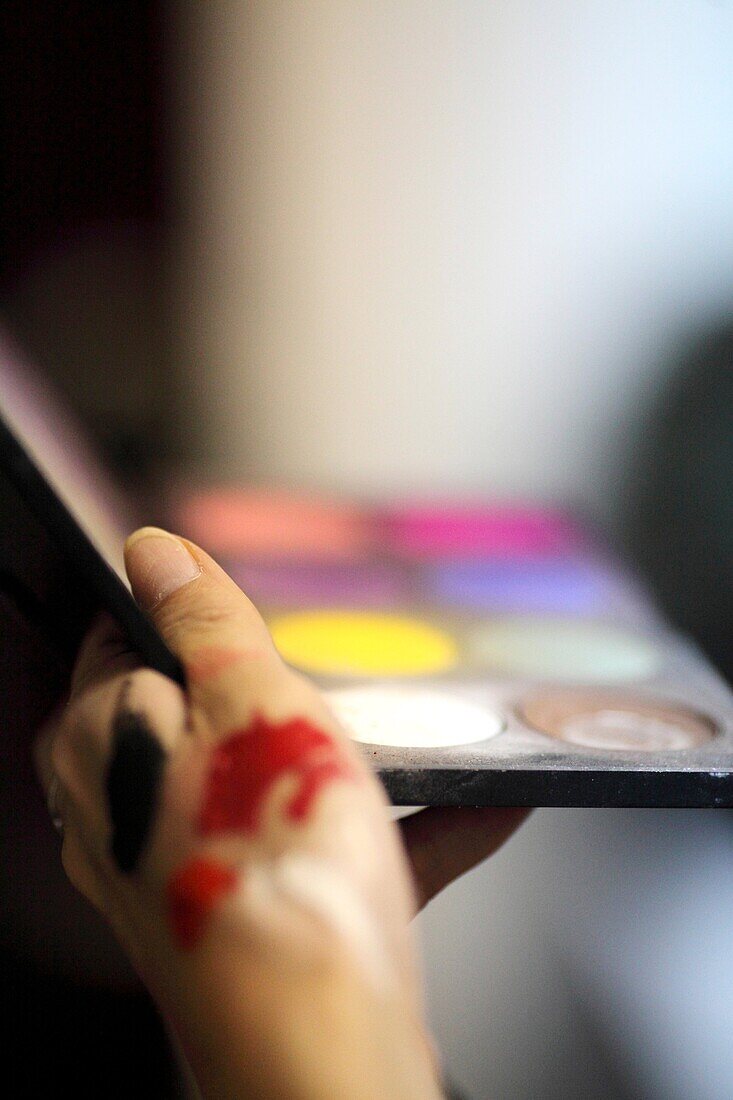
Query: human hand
x,y
241,850
443,842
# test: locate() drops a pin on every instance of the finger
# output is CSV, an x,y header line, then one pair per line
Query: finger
x,y
206,620
42,751
79,863
63,815
104,652
444,842
80,728
108,754
277,746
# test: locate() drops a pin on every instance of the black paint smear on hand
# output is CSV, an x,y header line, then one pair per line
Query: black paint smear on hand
x,y
133,784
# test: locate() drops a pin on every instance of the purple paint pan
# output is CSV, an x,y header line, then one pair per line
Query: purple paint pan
x,y
563,586
320,584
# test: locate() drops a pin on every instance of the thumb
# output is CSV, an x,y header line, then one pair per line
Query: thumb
x,y
193,603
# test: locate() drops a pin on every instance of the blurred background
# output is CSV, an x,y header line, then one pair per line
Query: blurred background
x,y
381,248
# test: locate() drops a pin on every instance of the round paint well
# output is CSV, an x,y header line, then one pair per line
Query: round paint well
x,y
607,721
562,650
343,643
410,718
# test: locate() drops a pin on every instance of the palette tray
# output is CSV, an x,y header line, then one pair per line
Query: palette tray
x,y
479,655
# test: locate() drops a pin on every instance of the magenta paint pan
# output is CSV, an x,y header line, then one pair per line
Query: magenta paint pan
x,y
506,531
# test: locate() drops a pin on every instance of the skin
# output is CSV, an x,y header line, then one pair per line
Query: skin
x,y
275,938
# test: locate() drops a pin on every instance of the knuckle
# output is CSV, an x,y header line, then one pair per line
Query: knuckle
x,y
106,650
213,610
163,703
183,617
148,687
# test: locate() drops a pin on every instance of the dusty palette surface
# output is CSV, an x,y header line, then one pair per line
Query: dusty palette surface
x,y
481,655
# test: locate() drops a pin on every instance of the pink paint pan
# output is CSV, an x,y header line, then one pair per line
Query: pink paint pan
x,y
273,524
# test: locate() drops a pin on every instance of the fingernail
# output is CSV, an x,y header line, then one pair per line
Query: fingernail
x,y
157,564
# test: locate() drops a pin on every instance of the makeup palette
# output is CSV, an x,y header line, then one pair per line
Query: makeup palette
x,y
479,655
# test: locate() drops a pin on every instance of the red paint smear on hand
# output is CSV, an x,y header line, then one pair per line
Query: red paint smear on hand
x,y
210,661
194,891
250,761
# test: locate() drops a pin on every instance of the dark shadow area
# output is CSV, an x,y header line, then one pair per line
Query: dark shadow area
x,y
82,212
82,1042
678,516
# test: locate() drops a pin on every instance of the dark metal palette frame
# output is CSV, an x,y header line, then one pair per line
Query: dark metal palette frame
x,y
95,582
527,786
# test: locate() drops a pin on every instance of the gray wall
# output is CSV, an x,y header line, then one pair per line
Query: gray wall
x,y
446,245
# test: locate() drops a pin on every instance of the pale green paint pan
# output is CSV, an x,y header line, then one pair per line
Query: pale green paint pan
x,y
563,650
